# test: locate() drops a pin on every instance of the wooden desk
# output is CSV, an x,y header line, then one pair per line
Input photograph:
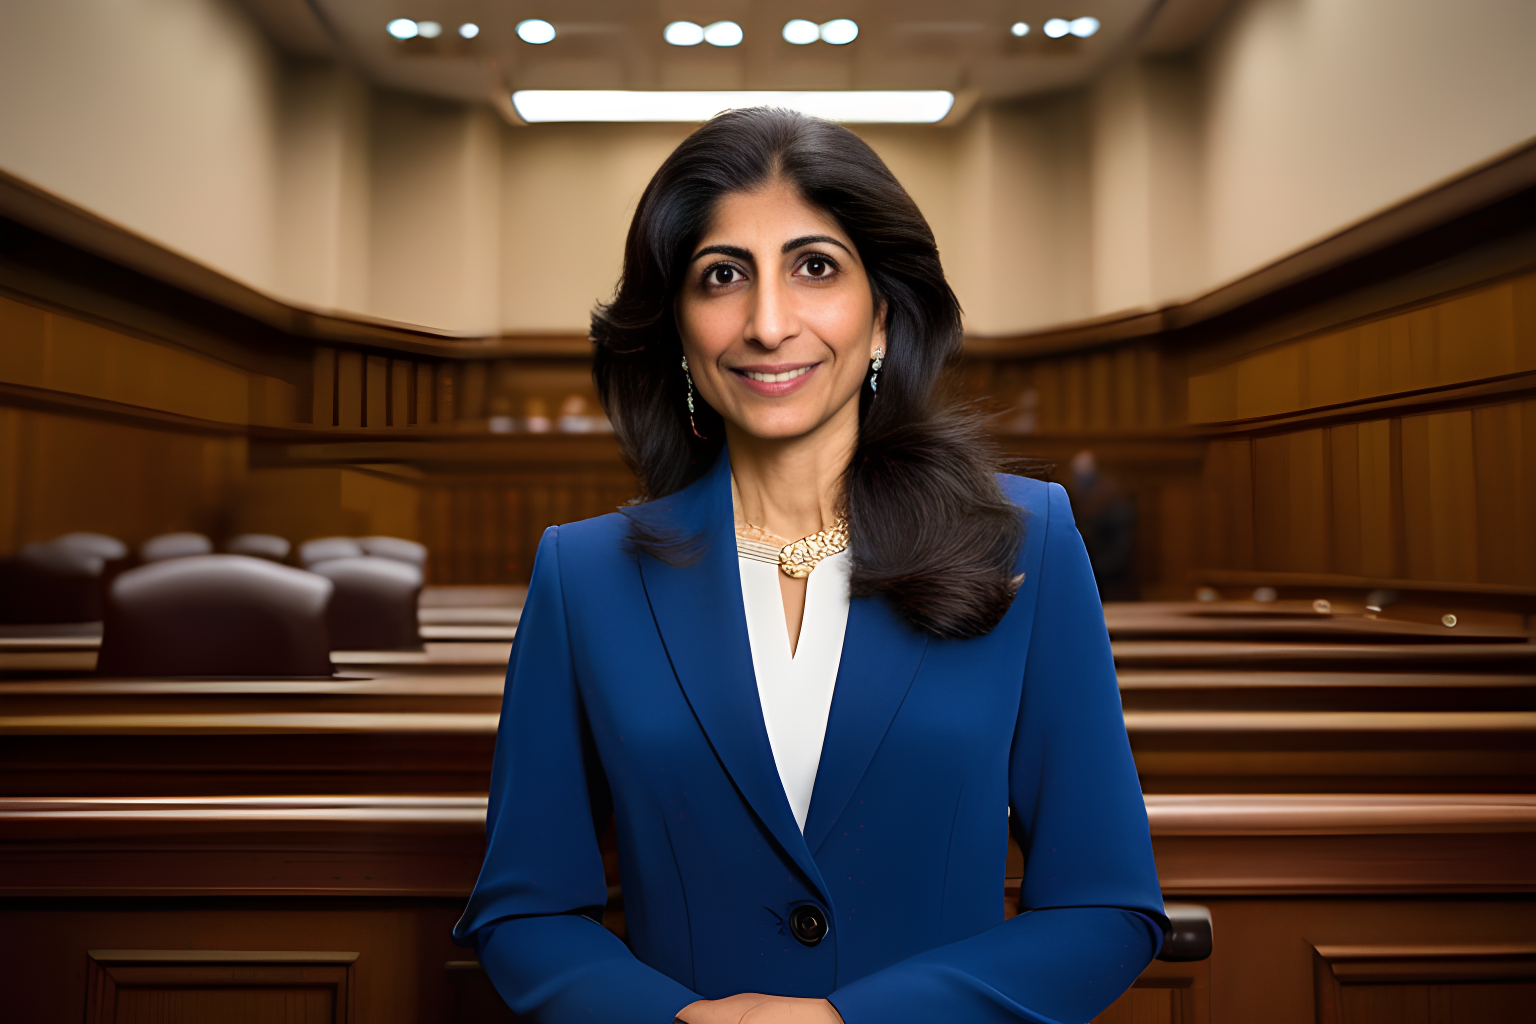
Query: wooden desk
x,y
32,657
1331,780
384,876
393,845
1347,785
403,728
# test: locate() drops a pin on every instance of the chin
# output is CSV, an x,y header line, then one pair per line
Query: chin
x,y
779,427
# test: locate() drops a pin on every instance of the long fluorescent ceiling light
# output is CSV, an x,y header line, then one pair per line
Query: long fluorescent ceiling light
x,y
854,106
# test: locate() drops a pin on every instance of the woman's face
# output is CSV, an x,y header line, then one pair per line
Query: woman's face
x,y
776,315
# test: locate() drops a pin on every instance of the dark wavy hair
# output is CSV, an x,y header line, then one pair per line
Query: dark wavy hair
x,y
930,529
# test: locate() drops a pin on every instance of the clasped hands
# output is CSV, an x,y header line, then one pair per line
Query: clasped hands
x,y
756,1008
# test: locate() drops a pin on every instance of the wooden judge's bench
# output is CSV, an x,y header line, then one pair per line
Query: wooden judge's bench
x,y
1337,742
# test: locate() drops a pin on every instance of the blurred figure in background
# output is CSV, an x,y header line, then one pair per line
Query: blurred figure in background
x,y
1106,517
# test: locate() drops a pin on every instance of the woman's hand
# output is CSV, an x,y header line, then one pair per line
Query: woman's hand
x,y
755,1008
720,1011
788,1010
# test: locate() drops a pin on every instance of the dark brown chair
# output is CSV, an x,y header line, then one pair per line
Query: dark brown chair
x,y
108,549
374,607
398,548
260,545
216,615
326,549
174,545
49,581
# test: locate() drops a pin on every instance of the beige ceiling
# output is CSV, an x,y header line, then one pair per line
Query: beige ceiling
x,y
617,44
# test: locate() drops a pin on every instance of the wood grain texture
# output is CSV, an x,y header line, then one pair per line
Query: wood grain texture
x,y
1455,984
323,388
1482,656
395,846
1374,439
1164,994
400,379
1430,863
242,763
350,396
430,845
249,987
1462,338
375,391
1339,814
396,948
249,724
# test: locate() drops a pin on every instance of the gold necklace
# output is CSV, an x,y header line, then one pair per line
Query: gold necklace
x,y
796,559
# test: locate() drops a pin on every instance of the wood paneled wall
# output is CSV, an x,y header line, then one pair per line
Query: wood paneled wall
x,y
1435,497
1375,433
1126,389
61,473
487,531
118,430
1360,416
364,390
1483,334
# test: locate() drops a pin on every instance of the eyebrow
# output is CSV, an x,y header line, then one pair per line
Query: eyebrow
x,y
797,243
745,255
734,251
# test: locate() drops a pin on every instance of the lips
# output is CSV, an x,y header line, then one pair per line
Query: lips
x,y
771,382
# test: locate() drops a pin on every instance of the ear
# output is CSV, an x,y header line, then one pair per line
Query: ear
x,y
877,335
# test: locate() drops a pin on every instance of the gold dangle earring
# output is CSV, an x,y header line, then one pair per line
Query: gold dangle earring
x,y
689,378
874,368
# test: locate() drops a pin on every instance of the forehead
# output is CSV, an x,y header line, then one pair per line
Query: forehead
x,y
769,215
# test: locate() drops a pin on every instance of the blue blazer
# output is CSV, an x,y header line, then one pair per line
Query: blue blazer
x,y
633,677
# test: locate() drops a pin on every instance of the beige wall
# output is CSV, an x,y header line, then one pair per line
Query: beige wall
x,y
1006,195
435,245
325,184
1320,112
1163,178
568,192
1147,243
158,114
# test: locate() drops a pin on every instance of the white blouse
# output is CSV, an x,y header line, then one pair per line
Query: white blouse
x,y
795,690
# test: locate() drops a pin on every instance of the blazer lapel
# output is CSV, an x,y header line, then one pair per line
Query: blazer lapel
x,y
703,625
881,655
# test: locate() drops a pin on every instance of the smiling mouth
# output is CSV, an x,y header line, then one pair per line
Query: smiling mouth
x,y
775,378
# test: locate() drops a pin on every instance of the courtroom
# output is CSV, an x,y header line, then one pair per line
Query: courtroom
x,y
827,512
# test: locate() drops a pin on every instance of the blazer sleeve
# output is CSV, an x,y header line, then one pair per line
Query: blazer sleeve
x,y
531,912
1093,910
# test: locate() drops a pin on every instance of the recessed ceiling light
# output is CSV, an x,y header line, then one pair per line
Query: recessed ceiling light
x,y
722,33
683,33
429,29
402,28
839,31
1019,29
801,32
1057,27
1084,27
854,106
469,30
536,31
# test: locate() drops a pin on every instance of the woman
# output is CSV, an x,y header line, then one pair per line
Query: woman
x,y
812,748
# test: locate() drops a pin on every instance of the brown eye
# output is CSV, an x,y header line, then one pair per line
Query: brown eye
x,y
722,275
816,268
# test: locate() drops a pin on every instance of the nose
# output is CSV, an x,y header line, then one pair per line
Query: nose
x,y
773,319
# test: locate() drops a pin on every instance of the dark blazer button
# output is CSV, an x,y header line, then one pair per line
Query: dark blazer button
x,y
808,924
